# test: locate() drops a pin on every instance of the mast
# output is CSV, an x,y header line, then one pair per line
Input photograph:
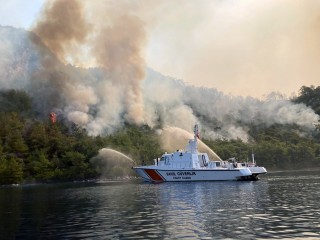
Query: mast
x,y
192,146
252,155
196,136
196,132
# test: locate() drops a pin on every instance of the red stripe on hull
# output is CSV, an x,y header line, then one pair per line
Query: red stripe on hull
x,y
153,175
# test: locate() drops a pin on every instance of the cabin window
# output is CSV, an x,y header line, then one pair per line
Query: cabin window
x,y
217,164
167,160
243,164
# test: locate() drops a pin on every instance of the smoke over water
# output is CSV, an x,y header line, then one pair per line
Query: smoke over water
x,y
85,61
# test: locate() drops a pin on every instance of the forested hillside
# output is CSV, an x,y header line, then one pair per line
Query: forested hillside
x,y
31,149
279,147
34,149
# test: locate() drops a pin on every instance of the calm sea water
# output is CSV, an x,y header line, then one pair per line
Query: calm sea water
x,y
280,205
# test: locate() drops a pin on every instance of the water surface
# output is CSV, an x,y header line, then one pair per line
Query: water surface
x,y
280,205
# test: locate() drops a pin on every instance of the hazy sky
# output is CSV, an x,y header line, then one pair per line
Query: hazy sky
x,y
244,47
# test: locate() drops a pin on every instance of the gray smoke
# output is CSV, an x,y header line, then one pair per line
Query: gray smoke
x,y
114,43
53,66
220,115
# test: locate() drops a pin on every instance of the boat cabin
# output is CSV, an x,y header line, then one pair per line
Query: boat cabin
x,y
185,160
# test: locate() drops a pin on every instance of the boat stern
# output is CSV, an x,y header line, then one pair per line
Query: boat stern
x,y
258,170
245,174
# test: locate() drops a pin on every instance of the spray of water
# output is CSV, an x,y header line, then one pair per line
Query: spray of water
x,y
113,164
173,138
115,154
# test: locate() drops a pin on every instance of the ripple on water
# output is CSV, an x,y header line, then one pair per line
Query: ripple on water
x,y
275,207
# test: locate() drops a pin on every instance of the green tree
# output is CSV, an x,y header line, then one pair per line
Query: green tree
x,y
11,131
15,101
39,167
15,143
75,165
36,136
11,170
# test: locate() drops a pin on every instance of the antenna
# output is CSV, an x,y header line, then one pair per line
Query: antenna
x,y
196,132
252,154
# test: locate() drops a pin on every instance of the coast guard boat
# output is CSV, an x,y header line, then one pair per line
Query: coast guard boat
x,y
191,165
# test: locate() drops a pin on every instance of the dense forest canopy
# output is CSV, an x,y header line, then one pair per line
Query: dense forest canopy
x,y
33,149
36,149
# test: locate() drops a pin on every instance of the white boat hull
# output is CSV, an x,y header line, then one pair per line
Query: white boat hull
x,y
192,165
258,170
187,175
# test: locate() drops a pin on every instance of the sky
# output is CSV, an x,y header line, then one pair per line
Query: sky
x,y
19,13
247,48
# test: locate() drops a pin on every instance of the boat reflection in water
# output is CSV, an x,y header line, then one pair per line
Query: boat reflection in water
x,y
192,165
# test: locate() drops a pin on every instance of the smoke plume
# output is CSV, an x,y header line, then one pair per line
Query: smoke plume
x,y
220,115
85,60
115,47
62,25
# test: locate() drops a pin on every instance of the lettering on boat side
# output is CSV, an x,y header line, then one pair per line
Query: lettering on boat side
x,y
187,173
181,173
171,173
181,178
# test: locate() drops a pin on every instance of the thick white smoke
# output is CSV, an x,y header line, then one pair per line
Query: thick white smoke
x,y
222,116
120,89
235,112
